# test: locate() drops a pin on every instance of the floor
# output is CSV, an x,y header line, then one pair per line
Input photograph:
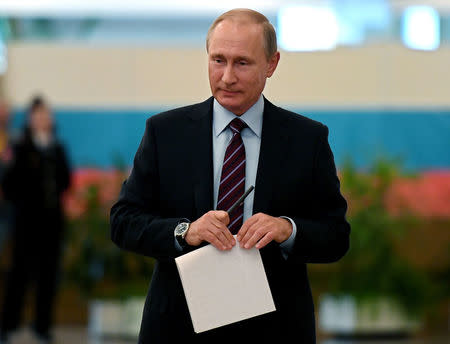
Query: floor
x,y
65,335
440,340
79,335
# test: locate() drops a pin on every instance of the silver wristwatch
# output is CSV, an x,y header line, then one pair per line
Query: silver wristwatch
x,y
180,233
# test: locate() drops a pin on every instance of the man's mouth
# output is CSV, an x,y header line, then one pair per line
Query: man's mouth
x,y
229,92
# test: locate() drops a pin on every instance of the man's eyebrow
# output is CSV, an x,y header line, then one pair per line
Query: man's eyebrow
x,y
236,58
217,56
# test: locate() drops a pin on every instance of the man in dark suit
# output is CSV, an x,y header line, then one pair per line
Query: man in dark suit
x,y
194,162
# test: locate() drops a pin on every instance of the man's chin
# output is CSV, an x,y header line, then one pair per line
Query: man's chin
x,y
229,104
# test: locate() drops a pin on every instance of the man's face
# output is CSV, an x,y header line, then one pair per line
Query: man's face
x,y
41,119
238,66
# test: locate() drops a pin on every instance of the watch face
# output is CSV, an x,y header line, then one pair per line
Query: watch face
x,y
179,230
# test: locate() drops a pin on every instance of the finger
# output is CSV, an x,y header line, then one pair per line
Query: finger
x,y
264,240
218,226
257,235
250,233
222,219
225,240
246,225
219,231
214,240
222,216
229,236
255,224
223,234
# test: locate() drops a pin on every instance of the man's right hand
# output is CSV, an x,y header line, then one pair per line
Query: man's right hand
x,y
212,228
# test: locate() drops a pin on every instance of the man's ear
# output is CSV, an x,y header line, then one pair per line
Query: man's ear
x,y
273,63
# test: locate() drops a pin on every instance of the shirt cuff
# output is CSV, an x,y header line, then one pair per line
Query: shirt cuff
x,y
287,245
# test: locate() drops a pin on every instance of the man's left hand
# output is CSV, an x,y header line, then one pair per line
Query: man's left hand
x,y
261,229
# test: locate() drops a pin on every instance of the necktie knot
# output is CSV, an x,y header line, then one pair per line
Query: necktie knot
x,y
236,125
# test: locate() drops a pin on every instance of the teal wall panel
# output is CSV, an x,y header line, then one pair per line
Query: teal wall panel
x,y
420,139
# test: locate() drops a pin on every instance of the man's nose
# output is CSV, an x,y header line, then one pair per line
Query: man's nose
x,y
229,76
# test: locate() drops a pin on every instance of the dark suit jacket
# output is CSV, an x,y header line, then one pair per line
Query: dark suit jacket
x,y
172,178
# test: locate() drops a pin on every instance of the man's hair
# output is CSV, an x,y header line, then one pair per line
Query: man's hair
x,y
36,103
244,15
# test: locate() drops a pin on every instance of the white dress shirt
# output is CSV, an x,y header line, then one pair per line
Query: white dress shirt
x,y
251,136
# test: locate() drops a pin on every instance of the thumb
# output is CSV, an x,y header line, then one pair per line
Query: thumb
x,y
222,216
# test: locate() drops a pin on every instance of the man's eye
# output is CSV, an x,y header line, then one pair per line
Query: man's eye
x,y
243,63
217,60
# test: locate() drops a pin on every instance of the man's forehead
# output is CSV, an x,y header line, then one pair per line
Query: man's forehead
x,y
239,23
231,31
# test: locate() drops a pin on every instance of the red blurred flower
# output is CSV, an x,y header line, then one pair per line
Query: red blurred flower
x,y
107,182
428,195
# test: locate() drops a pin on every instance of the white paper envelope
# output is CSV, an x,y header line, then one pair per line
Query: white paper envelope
x,y
223,287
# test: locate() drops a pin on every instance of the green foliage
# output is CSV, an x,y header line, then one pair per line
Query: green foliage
x,y
373,267
95,263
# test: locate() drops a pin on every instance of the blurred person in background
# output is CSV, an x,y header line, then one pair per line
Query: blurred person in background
x,y
34,182
5,157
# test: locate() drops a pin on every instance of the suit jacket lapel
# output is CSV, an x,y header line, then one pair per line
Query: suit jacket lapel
x,y
201,149
273,150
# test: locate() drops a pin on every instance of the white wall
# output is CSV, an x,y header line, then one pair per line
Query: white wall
x,y
102,76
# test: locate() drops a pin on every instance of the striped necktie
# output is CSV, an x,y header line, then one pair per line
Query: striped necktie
x,y
232,181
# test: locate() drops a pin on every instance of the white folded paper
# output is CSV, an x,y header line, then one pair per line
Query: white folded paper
x,y
223,287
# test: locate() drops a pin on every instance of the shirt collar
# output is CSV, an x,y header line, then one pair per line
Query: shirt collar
x,y
253,117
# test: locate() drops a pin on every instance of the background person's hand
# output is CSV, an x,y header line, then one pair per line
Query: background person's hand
x,y
261,229
212,228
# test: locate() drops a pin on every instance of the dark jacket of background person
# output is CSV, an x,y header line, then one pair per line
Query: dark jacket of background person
x,y
37,177
172,179
34,183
